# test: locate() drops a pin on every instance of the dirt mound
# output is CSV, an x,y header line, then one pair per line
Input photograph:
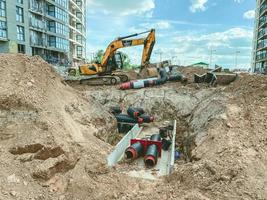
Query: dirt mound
x,y
47,132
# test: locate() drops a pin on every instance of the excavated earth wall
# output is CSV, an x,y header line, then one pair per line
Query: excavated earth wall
x,y
54,138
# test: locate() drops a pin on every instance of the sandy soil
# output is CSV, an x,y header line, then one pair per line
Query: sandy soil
x,y
54,138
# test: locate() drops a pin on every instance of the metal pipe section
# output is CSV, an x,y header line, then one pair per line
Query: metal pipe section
x,y
155,137
147,118
151,156
127,119
134,151
133,112
148,82
116,110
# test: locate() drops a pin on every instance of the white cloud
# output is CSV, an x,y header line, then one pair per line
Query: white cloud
x,y
196,47
158,25
121,7
198,5
239,1
250,14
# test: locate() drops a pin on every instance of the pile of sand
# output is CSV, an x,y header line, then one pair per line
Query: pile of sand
x,y
47,142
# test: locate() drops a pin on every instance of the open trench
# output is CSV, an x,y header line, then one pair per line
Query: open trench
x,y
192,109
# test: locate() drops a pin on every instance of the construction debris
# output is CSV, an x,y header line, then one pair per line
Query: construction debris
x,y
215,77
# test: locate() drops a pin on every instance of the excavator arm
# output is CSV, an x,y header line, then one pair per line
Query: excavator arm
x,y
123,42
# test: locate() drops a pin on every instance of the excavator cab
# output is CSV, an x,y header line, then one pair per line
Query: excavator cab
x,y
115,63
118,60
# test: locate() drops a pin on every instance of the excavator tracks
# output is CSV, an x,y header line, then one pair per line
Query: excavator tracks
x,y
100,80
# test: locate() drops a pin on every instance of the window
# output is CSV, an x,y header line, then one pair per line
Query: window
x,y
59,43
79,3
21,48
3,29
20,1
36,21
2,8
79,39
52,41
52,26
57,27
36,5
20,33
51,10
57,13
63,3
36,38
79,51
79,15
79,27
19,14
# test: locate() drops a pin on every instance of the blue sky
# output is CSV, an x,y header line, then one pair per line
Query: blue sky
x,y
186,30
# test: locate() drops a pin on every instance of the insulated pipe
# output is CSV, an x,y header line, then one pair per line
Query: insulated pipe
x,y
127,119
116,110
147,118
134,151
155,137
151,156
163,77
133,112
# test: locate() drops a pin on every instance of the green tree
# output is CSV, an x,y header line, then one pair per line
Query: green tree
x,y
126,61
98,56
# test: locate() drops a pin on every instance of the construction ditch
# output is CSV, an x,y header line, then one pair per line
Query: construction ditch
x,y
192,109
55,137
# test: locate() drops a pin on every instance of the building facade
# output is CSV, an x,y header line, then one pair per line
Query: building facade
x,y
52,29
259,54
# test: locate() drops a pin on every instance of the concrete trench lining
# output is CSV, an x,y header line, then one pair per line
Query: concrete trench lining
x,y
118,153
164,166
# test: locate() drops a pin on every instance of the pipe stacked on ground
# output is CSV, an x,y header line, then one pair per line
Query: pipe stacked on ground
x,y
134,116
127,119
151,156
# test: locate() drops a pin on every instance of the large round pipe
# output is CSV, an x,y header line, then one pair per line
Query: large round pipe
x,y
147,118
151,156
155,137
133,112
116,110
134,151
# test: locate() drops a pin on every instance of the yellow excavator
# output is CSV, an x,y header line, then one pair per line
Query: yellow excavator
x,y
110,70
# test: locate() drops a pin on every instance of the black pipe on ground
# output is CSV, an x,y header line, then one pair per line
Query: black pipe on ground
x,y
127,119
133,112
134,151
116,110
147,118
140,110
